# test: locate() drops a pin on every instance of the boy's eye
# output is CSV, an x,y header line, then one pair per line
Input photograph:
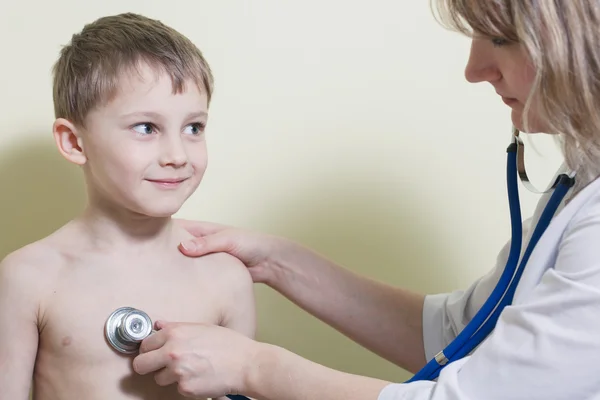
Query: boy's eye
x,y
195,129
144,129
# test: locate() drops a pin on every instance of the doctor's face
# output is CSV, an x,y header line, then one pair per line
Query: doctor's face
x,y
507,68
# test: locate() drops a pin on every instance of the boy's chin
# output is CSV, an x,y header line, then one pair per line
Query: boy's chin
x,y
162,213
160,210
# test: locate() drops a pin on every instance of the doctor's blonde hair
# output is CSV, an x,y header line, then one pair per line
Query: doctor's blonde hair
x,y
562,39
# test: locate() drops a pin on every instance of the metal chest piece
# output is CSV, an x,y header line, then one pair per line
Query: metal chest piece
x,y
125,329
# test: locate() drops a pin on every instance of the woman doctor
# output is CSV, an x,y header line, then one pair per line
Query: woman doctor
x,y
543,59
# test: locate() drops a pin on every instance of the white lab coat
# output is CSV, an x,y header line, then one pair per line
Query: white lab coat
x,y
546,345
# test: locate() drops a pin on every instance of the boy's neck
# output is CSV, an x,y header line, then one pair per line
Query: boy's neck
x,y
112,228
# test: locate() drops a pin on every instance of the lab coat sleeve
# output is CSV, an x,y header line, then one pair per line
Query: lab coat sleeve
x,y
445,315
545,347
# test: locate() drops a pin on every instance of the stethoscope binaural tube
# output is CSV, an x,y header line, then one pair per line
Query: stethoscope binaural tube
x,y
485,319
127,327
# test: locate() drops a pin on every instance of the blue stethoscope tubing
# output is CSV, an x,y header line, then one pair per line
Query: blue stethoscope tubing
x,y
485,319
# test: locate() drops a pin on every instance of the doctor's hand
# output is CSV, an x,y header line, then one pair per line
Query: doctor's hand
x,y
262,254
203,360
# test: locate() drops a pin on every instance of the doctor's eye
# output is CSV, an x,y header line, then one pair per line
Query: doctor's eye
x,y
195,129
498,42
144,129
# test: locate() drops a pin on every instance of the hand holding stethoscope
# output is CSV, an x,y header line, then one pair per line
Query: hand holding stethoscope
x,y
208,353
126,328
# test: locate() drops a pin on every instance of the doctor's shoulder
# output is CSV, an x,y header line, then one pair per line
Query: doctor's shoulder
x,y
586,209
579,246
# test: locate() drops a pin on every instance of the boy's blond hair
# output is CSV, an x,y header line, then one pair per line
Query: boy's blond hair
x,y
89,69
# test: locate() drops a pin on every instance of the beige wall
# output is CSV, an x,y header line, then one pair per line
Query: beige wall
x,y
346,125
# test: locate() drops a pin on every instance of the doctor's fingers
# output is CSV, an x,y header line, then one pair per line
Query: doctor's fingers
x,y
166,376
152,361
166,333
194,377
154,341
220,242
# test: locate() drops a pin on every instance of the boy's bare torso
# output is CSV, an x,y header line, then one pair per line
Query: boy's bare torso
x,y
84,285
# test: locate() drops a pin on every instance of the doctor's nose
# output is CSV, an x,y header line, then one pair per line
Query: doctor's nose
x,y
481,66
172,152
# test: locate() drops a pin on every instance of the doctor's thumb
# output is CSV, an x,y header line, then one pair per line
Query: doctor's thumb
x,y
200,246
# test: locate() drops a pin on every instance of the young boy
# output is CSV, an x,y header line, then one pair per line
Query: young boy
x,y
131,101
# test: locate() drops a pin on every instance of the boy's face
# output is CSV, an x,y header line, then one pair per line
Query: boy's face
x,y
145,150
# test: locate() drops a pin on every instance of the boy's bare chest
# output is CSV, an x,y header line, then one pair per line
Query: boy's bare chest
x,y
81,301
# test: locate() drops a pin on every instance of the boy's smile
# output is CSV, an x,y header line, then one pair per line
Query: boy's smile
x,y
145,150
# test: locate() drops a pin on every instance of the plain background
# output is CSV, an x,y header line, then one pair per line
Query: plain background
x,y
345,125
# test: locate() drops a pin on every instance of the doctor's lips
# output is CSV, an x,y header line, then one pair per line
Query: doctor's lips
x,y
168,183
508,100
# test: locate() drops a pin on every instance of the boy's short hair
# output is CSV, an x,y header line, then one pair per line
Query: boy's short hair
x,y
88,70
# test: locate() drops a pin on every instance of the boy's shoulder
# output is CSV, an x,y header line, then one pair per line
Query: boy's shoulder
x,y
25,272
34,255
31,263
223,266
231,280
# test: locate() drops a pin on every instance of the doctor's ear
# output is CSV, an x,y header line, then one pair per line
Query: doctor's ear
x,y
68,140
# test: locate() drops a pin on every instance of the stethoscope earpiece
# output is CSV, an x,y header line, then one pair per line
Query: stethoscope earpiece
x,y
125,329
558,177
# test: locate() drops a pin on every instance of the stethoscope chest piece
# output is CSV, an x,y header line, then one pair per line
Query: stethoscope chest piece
x,y
125,329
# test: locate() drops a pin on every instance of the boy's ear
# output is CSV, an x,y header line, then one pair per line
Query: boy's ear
x,y
68,140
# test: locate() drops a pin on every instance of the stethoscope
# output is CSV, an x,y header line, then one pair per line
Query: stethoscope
x,y
484,321
127,327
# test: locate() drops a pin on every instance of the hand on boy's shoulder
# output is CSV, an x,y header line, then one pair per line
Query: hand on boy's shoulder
x,y
225,261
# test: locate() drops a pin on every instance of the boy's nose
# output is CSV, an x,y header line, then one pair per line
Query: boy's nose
x,y
172,152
